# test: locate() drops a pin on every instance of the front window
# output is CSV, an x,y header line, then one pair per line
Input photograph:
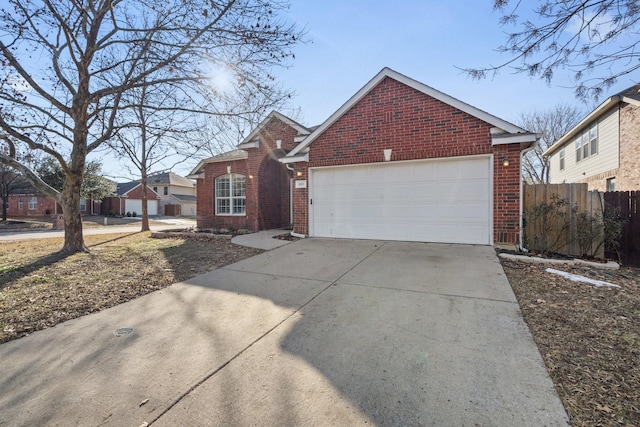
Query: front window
x,y
166,190
562,159
33,203
231,195
611,184
20,203
83,204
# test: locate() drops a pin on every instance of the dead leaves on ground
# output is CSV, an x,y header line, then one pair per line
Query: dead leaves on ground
x,y
588,336
40,291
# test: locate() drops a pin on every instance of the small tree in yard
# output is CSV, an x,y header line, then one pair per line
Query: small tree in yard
x,y
548,225
66,68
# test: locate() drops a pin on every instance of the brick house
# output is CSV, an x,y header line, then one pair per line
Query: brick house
x,y
128,198
248,188
26,201
398,161
602,149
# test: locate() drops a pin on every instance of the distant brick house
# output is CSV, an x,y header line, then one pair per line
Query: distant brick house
x,y
26,201
603,149
128,199
398,161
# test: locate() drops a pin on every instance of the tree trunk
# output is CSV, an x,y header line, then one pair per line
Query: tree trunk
x,y
145,210
70,200
5,206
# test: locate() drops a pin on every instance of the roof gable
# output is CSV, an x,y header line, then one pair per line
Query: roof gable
x,y
630,95
274,114
501,125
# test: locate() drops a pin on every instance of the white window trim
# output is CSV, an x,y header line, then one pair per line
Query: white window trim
x,y
584,142
230,198
562,158
83,208
33,203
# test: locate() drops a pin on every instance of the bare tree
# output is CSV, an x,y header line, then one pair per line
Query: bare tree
x,y
550,124
595,40
151,137
66,66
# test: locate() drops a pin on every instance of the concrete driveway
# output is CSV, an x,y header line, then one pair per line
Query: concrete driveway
x,y
318,332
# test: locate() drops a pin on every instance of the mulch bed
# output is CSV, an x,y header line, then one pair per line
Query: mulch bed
x,y
589,338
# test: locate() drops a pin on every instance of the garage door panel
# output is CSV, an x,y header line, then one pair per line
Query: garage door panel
x,y
135,205
437,201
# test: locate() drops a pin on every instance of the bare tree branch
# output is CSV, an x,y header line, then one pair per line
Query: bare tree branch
x,y
595,40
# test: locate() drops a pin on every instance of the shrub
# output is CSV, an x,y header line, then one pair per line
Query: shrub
x,y
547,225
128,214
134,214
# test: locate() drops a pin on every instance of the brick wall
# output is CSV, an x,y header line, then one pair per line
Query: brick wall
x,y
628,178
45,206
267,183
414,126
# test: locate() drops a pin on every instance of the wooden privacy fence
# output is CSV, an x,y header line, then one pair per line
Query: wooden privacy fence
x,y
625,205
173,210
563,218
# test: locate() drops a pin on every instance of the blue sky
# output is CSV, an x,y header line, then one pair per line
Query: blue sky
x,y
350,41
426,40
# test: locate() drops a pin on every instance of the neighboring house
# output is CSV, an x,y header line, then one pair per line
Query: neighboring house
x,y
128,198
398,161
25,200
174,190
602,149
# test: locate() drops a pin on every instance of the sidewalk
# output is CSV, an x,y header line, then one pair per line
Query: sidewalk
x,y
28,234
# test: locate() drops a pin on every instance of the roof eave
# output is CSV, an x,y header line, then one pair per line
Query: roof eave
x,y
510,138
599,111
295,159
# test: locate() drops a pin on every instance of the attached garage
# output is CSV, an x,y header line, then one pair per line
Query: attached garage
x,y
443,200
135,205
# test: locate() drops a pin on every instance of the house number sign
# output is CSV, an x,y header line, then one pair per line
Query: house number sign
x,y
301,183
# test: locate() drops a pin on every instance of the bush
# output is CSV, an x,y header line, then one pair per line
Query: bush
x,y
134,214
551,222
128,214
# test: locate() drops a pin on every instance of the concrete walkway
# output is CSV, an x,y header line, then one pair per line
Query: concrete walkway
x,y
262,239
318,332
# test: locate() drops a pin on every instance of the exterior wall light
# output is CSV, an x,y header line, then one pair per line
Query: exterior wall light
x,y
299,173
250,176
505,162
228,169
387,155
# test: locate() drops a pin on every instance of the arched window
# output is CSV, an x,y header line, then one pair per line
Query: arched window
x,y
231,195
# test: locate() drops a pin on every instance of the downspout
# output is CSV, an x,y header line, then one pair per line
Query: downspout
x,y
520,230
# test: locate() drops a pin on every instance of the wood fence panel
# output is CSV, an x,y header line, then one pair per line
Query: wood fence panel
x,y
627,205
562,231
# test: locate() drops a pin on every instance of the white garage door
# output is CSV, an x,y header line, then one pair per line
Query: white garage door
x,y
135,205
446,201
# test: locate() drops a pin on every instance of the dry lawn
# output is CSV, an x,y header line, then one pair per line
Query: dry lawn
x,y
39,288
589,338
